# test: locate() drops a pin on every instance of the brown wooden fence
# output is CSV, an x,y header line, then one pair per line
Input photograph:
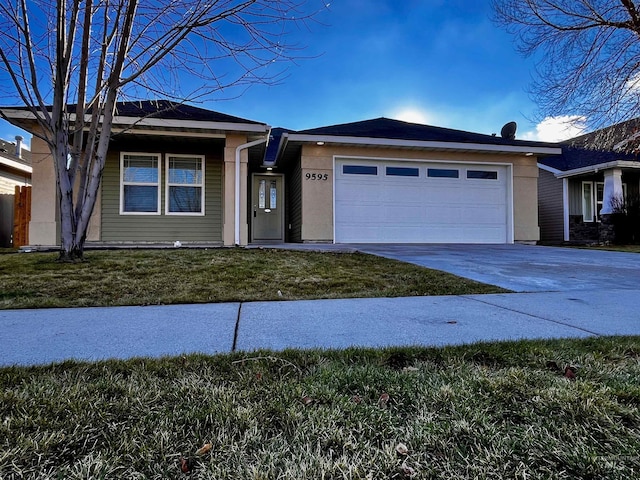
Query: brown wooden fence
x,y
21,216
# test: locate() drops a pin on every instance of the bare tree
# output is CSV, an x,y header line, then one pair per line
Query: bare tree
x,y
587,51
69,62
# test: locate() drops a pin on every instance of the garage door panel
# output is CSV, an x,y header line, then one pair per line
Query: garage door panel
x,y
403,214
362,213
360,193
400,193
421,209
444,216
483,214
354,234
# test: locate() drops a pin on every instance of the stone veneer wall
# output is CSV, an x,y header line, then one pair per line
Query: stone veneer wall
x,y
607,231
583,232
591,232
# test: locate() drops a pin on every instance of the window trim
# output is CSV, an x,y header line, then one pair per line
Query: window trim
x,y
168,185
158,157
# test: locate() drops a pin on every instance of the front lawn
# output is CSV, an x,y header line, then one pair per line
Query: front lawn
x,y
565,409
149,277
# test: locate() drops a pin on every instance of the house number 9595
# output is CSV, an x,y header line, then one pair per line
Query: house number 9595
x,y
317,176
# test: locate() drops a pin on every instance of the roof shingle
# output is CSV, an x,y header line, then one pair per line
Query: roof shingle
x,y
399,130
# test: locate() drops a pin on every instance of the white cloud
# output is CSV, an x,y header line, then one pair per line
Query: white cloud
x,y
557,129
410,115
413,115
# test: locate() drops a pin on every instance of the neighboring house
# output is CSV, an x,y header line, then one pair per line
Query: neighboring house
x,y
578,189
15,171
173,176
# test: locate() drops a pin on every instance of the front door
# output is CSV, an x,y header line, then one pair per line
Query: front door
x,y
267,209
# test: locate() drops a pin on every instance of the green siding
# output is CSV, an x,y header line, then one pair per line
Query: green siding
x,y
162,228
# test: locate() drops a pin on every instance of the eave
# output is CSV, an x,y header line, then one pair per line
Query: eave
x,y
600,166
150,125
17,166
426,145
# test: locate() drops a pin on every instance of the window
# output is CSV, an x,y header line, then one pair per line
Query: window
x,y
482,174
402,172
593,200
185,185
587,201
442,173
599,199
359,170
140,183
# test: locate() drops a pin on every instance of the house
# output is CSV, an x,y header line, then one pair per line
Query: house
x,y
578,189
15,171
167,173
173,171
385,180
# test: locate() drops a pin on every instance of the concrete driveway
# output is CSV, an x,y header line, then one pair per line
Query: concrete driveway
x,y
523,268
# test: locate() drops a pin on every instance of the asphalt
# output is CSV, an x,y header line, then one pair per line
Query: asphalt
x,y
549,307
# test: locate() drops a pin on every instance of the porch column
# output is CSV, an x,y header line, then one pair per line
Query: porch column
x,y
44,226
228,200
612,189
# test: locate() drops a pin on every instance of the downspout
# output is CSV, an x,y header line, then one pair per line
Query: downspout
x,y
239,148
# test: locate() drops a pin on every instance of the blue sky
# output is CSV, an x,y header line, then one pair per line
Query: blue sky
x,y
437,62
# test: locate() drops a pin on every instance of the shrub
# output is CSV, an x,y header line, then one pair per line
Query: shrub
x,y
626,219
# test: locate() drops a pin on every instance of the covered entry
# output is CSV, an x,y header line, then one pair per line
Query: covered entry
x,y
379,201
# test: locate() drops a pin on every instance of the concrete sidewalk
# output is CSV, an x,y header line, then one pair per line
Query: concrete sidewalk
x,y
30,337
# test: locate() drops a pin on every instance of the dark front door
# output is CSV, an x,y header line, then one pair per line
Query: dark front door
x,y
267,217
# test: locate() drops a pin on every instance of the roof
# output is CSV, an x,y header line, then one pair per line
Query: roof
x,y
574,158
275,145
601,148
174,111
618,137
399,130
388,133
11,162
160,114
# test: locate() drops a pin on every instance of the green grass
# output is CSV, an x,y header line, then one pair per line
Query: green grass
x,y
144,277
500,410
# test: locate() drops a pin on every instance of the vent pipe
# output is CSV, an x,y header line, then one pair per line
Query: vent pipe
x,y
19,146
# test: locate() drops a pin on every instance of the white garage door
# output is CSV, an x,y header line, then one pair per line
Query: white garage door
x,y
426,202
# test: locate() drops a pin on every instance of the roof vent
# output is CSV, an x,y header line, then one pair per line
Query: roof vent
x,y
509,131
19,146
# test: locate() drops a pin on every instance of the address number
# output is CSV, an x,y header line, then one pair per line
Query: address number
x,y
317,176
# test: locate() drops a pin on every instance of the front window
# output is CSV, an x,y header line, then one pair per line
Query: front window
x,y
593,200
599,199
140,183
185,185
587,201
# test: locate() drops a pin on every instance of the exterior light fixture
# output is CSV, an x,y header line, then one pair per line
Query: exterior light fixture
x,y
320,143
269,169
